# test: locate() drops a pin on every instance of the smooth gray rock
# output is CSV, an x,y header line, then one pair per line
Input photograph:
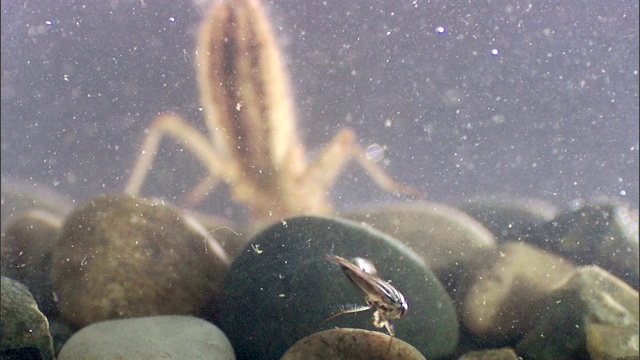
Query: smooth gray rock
x,y
24,330
159,337
281,288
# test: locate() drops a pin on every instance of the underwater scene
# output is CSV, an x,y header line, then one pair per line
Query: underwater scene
x,y
246,179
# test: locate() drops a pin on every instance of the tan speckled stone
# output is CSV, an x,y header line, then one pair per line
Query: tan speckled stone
x,y
592,315
351,344
504,302
122,257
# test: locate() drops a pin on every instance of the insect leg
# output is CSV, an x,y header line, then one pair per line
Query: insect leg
x,y
348,311
382,321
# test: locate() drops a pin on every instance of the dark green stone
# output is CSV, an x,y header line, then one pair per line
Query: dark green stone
x,y
24,330
281,288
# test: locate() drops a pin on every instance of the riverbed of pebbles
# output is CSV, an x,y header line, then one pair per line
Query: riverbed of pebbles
x,y
488,279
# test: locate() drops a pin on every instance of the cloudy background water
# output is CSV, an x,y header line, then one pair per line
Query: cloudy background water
x,y
511,98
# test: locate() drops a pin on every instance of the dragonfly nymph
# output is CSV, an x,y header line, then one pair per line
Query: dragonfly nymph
x,y
388,302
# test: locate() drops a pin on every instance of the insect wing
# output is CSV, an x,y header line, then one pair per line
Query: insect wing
x,y
376,290
365,266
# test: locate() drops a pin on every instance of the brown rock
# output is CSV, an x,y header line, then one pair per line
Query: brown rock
x,y
351,344
606,342
122,257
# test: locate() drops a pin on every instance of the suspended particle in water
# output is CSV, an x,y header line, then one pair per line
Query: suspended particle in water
x,y
440,30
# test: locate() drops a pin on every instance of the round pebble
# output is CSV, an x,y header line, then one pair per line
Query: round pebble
x,y
509,219
440,234
24,330
122,257
351,344
158,337
596,234
452,243
282,288
26,245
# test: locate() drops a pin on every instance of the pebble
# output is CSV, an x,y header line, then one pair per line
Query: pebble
x,y
492,354
451,242
605,342
509,219
597,234
26,245
351,344
282,288
122,257
157,337
505,301
566,328
20,195
24,330
440,234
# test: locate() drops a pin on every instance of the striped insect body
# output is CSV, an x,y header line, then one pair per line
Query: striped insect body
x,y
388,302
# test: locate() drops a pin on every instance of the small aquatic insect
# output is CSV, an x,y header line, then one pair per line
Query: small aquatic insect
x,y
379,294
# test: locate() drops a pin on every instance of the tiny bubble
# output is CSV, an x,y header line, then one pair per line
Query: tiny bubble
x,y
375,152
440,30
494,52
